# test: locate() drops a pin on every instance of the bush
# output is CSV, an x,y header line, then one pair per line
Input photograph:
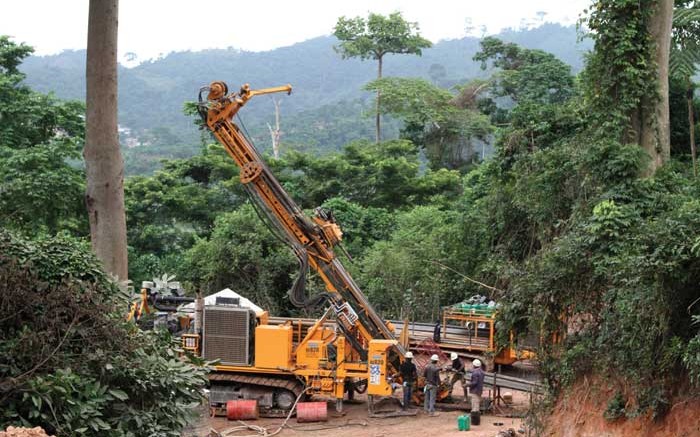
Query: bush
x,y
68,360
615,408
691,359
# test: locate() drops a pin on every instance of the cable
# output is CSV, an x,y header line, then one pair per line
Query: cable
x,y
348,422
260,430
245,130
297,294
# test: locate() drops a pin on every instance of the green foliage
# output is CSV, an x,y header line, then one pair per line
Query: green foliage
x,y
385,175
61,366
416,101
169,210
323,130
531,92
678,104
685,48
625,273
361,226
615,408
376,36
683,64
691,359
401,275
433,120
620,74
526,75
577,242
40,191
242,254
11,56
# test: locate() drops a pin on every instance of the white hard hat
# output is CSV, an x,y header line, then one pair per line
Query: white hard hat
x,y
476,363
434,357
454,356
409,355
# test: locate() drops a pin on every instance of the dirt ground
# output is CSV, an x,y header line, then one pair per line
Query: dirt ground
x,y
355,422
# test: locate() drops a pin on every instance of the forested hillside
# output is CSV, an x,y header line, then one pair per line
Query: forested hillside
x,y
328,106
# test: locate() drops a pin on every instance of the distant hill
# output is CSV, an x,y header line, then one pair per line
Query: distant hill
x,y
325,109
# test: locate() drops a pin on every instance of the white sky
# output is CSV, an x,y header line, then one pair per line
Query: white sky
x,y
151,28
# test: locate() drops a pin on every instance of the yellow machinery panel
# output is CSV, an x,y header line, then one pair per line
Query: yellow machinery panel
x,y
377,378
273,347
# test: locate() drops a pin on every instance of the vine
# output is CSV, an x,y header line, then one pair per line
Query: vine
x,y
620,77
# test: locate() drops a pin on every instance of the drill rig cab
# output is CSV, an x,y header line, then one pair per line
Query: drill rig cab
x,y
349,346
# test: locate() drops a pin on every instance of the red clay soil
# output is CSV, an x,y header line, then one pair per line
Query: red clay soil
x,y
11,431
580,414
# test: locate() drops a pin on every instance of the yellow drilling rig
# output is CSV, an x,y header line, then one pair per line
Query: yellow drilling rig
x,y
350,348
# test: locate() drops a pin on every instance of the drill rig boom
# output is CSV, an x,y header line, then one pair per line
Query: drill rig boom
x,y
311,239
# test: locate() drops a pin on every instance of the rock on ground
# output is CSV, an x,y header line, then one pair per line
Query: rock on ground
x,y
12,431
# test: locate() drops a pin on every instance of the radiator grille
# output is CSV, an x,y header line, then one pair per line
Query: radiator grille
x,y
227,335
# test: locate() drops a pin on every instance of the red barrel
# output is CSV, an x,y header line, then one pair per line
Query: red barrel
x,y
312,412
242,409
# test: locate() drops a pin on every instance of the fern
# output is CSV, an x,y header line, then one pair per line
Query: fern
x,y
685,52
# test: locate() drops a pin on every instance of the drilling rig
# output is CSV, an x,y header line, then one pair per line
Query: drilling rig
x,y
350,348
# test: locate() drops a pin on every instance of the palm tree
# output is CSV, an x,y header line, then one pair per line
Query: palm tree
x,y
685,58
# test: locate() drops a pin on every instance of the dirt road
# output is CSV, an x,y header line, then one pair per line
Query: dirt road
x,y
355,422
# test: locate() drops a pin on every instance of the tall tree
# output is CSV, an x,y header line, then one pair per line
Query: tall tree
x,y
628,73
276,132
656,140
434,120
103,161
374,37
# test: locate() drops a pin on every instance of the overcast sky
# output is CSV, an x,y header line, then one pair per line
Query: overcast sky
x,y
151,28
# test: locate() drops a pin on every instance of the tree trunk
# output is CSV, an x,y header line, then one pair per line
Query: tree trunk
x,y
653,123
276,134
691,126
379,95
103,162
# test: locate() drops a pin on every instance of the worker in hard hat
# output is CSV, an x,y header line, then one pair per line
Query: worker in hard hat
x,y
457,369
432,382
476,386
409,375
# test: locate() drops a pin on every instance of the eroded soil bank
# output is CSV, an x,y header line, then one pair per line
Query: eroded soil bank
x,y
580,413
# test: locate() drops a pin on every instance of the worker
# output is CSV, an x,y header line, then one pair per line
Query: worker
x,y
409,374
437,332
432,382
476,386
458,375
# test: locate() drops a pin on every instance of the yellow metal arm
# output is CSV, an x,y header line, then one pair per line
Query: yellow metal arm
x,y
311,239
225,106
247,93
